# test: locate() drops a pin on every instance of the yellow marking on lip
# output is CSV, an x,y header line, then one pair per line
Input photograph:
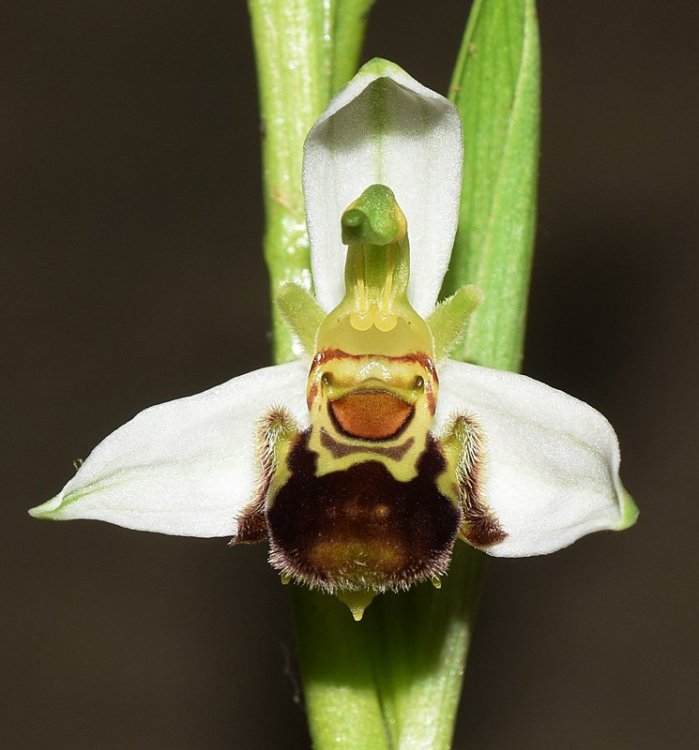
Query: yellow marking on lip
x,y
372,415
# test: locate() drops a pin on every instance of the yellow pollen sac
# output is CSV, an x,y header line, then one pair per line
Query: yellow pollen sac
x,y
363,321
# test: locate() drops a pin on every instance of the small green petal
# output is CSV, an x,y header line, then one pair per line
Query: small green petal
x,y
302,313
449,320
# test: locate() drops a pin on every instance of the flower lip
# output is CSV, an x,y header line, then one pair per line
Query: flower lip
x,y
371,414
360,528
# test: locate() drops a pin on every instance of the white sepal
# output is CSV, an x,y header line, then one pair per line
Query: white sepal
x,y
185,467
384,127
550,472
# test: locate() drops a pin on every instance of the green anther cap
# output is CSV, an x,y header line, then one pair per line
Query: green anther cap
x,y
374,218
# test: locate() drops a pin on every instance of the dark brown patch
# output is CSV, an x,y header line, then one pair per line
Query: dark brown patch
x,y
361,528
480,527
340,450
370,415
301,460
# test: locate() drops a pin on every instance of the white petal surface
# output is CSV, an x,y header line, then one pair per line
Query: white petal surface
x,y
186,467
551,468
384,127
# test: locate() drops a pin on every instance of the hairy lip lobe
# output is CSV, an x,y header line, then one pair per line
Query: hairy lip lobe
x,y
360,528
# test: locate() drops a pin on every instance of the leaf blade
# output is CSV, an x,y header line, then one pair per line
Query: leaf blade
x,y
494,241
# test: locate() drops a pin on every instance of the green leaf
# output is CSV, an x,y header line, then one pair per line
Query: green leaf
x,y
496,88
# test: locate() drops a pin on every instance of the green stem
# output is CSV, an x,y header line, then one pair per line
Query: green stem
x,y
393,680
338,660
429,632
351,18
299,67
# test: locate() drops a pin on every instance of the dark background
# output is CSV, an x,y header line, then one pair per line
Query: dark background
x,y
131,274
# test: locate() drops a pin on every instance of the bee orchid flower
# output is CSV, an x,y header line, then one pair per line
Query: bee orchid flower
x,y
362,462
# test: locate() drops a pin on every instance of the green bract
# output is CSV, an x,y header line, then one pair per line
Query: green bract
x,y
362,462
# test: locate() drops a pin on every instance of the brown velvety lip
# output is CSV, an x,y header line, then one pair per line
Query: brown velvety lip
x,y
371,414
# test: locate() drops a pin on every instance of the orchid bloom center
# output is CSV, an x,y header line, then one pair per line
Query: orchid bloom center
x,y
373,378
367,470
377,267
375,315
